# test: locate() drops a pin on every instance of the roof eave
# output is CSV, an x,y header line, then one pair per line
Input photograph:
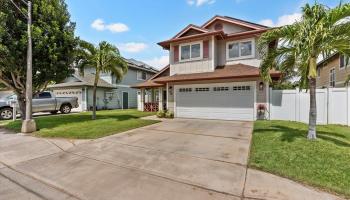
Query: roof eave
x,y
244,35
273,75
166,44
238,22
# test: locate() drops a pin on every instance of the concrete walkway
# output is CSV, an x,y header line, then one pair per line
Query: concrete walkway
x,y
174,159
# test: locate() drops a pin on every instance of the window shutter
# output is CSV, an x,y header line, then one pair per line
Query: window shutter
x,y
176,53
342,64
206,49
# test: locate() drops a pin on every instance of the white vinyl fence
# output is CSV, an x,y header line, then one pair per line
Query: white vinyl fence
x,y
333,105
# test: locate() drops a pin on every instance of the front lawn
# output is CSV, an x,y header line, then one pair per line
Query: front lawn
x,y
80,126
281,147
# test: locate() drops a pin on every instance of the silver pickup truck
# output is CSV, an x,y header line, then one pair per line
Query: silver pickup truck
x,y
42,102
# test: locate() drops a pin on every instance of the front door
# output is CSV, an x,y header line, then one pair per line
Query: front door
x,y
125,100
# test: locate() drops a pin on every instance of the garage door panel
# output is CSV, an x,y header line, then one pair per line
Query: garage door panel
x,y
204,113
228,105
71,93
232,100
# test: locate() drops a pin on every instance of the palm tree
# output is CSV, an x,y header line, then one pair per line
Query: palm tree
x,y
104,58
320,32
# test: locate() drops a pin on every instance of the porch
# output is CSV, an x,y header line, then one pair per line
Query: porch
x,y
152,99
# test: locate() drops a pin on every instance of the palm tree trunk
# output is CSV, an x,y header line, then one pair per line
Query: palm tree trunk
x,y
313,109
94,95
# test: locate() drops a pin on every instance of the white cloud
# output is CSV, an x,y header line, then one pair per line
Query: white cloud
x,y
282,20
267,22
190,2
133,47
117,27
100,25
158,62
200,2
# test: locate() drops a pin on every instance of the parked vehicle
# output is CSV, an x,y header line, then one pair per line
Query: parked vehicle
x,y
42,102
6,110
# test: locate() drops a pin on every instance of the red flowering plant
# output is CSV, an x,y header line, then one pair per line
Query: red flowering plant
x,y
261,108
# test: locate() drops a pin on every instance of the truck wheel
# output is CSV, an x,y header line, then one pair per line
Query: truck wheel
x,y
6,113
65,109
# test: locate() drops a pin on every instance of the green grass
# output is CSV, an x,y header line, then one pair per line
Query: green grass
x,y
281,147
80,126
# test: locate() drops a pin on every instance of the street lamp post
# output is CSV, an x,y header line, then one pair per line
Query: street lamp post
x,y
28,125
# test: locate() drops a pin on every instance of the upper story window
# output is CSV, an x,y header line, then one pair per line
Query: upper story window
x,y
191,51
141,75
332,77
240,49
344,61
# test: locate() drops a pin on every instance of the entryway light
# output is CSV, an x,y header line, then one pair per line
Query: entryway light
x,y
261,86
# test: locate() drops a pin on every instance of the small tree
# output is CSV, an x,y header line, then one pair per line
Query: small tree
x,y
104,58
53,45
321,32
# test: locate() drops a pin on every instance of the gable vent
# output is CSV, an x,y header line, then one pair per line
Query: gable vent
x,y
218,26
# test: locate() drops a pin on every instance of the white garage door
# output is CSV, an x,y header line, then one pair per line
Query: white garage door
x,y
227,101
71,93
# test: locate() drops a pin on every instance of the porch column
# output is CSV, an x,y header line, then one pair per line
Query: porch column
x,y
160,96
142,93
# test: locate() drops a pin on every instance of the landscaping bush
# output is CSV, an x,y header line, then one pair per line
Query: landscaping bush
x,y
169,114
161,114
165,114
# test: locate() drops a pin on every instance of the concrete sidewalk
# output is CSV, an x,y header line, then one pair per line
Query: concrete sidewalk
x,y
174,159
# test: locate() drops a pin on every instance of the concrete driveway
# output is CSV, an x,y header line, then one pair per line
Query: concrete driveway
x,y
175,159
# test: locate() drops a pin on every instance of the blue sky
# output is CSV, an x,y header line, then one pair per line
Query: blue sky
x,y
135,26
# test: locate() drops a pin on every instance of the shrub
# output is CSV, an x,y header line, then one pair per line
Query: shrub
x,y
169,114
161,114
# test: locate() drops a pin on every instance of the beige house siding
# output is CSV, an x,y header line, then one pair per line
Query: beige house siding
x,y
217,57
221,54
217,53
188,67
340,74
228,27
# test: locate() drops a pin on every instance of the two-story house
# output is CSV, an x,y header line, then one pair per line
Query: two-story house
x,y
333,71
111,94
213,72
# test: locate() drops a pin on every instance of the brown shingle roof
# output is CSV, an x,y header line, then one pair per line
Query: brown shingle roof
x,y
226,72
234,21
146,84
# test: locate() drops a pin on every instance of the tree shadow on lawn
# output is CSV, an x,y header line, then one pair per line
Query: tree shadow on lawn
x,y
290,134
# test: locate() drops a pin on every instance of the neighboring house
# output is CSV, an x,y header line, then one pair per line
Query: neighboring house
x,y
333,71
213,72
110,93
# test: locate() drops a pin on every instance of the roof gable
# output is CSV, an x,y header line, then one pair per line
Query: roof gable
x,y
190,30
234,21
163,72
